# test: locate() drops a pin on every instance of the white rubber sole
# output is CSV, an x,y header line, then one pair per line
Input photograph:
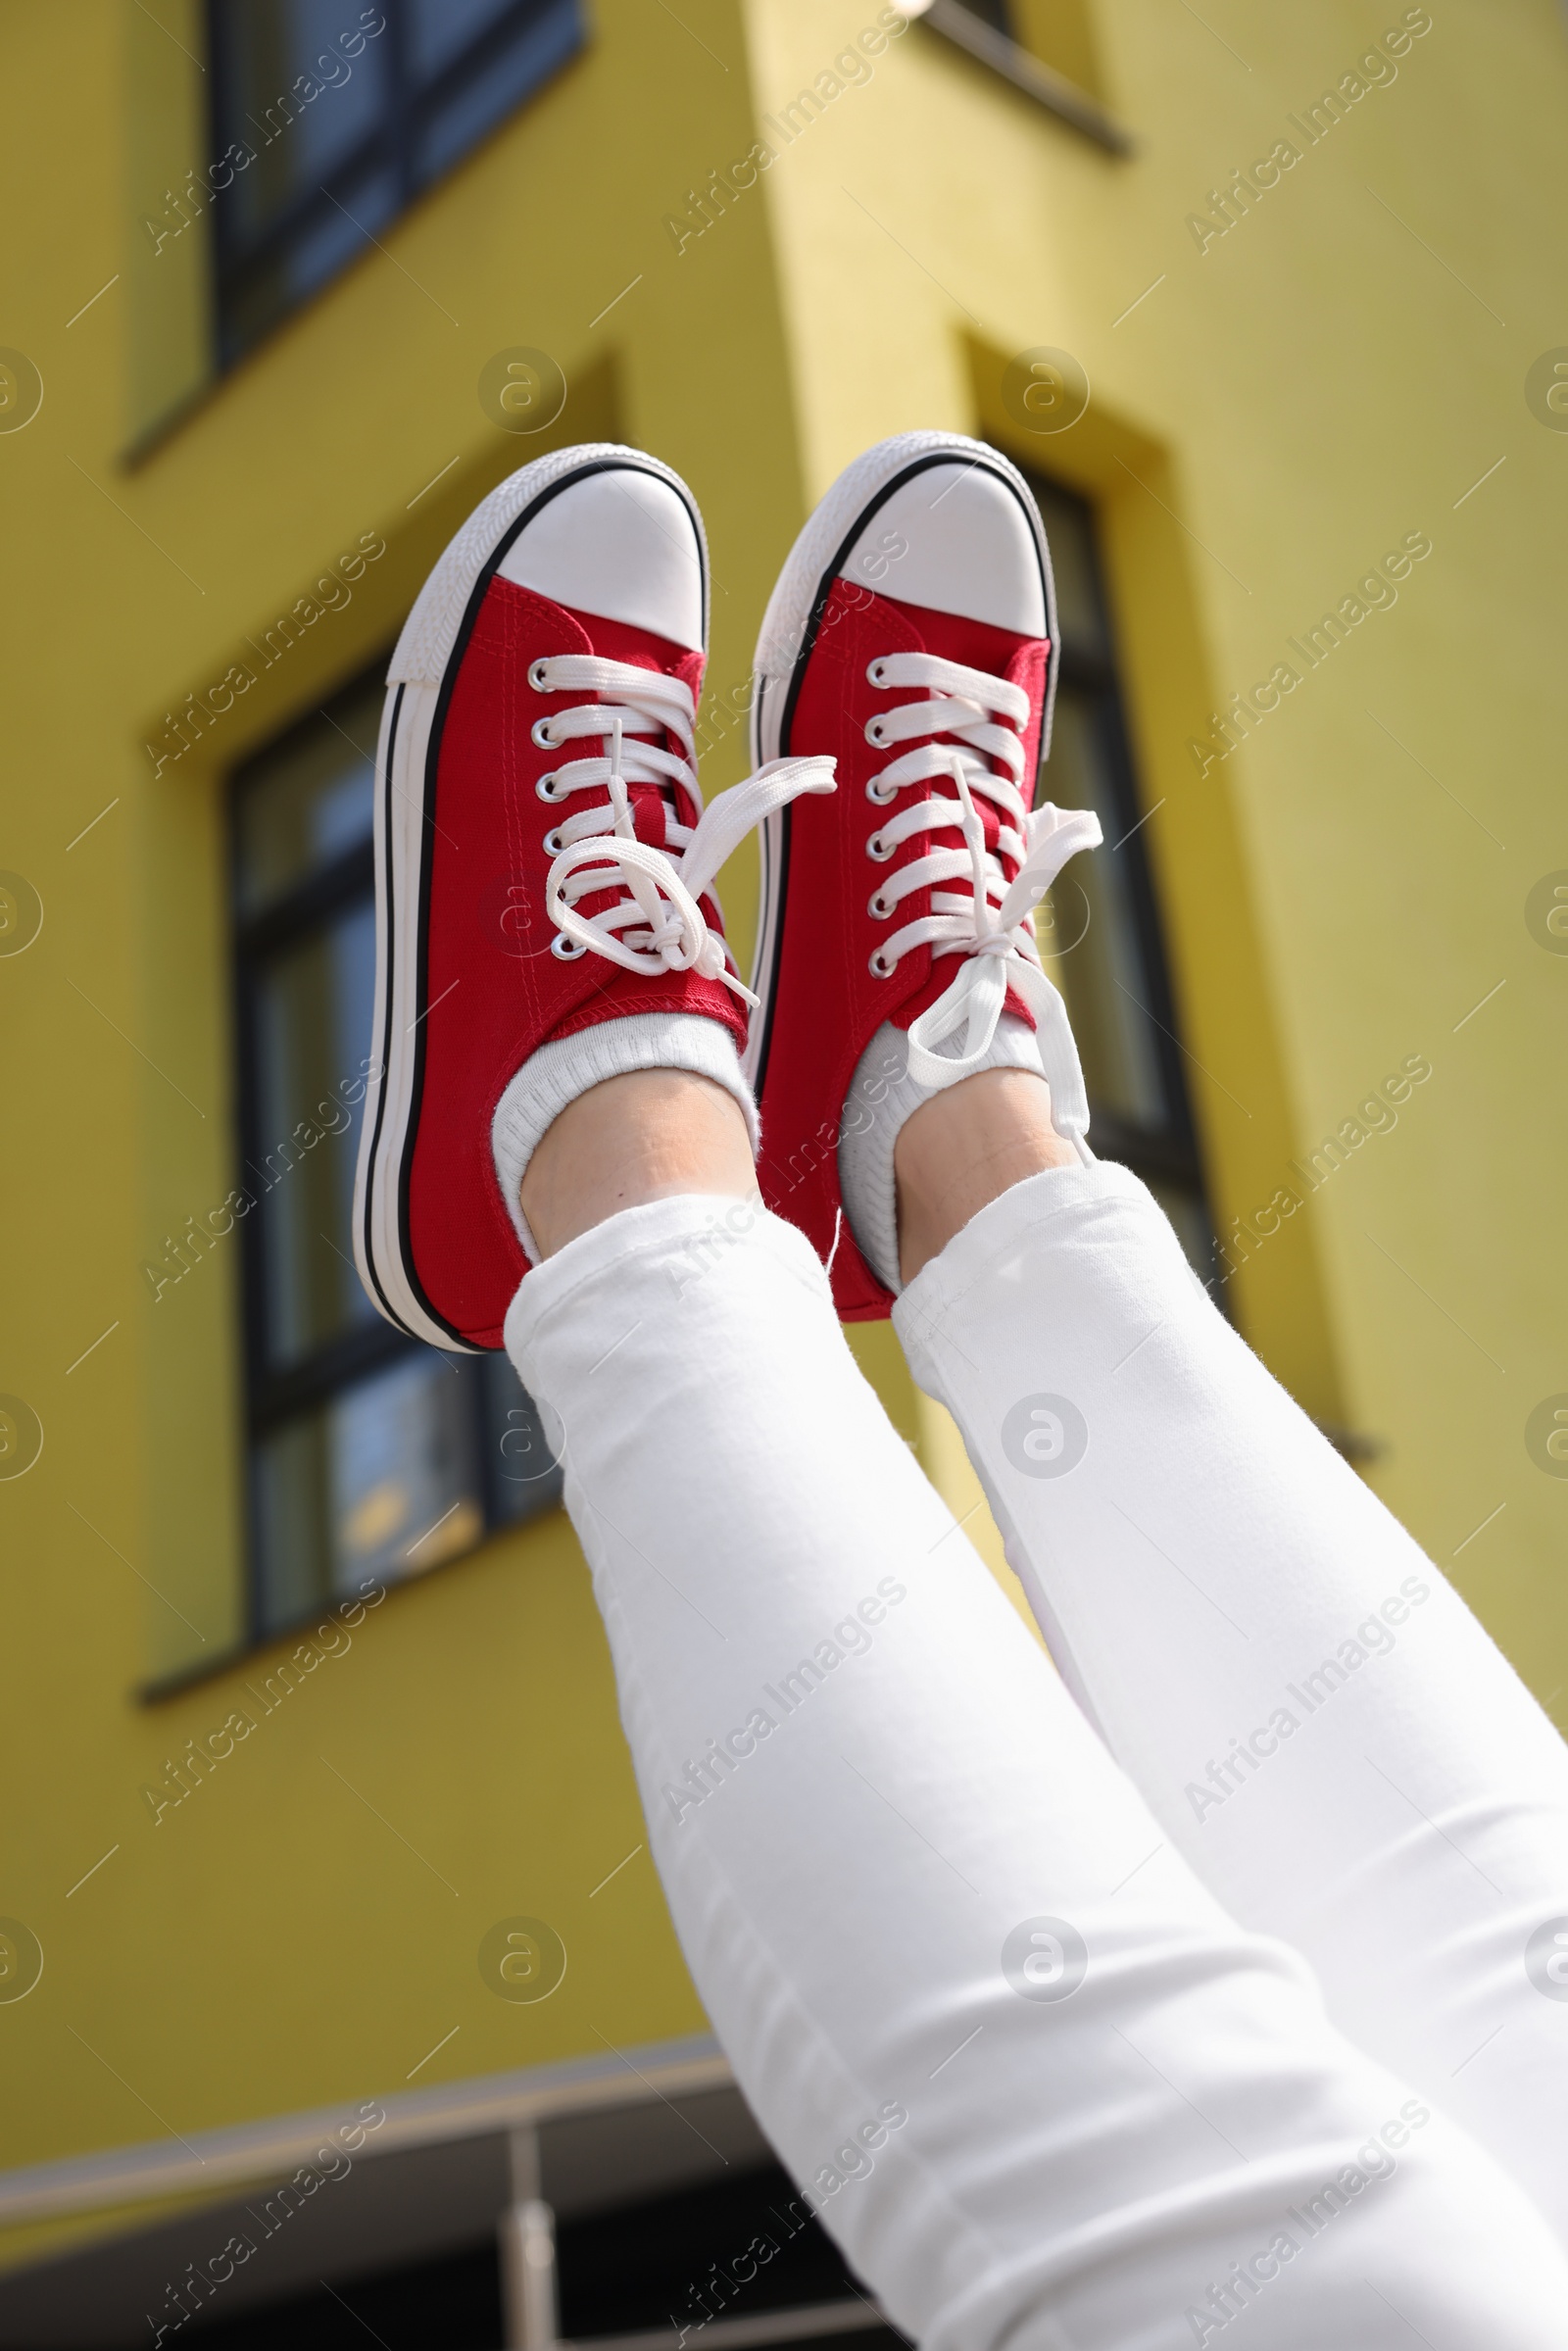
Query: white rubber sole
x,y
406,723
426,657
788,633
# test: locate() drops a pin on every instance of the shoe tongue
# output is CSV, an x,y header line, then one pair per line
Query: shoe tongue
x,y
620,641
648,807
974,644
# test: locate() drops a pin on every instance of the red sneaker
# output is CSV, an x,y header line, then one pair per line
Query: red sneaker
x,y
910,638
544,862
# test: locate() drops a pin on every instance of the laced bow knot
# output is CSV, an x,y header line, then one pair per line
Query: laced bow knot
x,y
1000,954
988,924
655,922
676,936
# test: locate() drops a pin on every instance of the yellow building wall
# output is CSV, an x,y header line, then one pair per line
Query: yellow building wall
x,y
1267,415
306,1925
1271,410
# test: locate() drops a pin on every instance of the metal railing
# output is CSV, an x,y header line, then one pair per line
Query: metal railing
x,y
531,2304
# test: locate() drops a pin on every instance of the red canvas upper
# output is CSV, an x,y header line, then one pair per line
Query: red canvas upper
x,y
495,993
827,1004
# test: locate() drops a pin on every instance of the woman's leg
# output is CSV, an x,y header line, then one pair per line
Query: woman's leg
x,y
1320,1726
1039,2085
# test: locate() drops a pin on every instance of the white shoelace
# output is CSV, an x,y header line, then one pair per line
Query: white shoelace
x,y
655,924
989,921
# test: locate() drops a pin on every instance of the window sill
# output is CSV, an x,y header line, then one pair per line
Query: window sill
x,y
1041,83
253,1644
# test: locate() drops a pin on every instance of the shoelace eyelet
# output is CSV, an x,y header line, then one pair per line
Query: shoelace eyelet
x,y
545,788
553,844
880,967
881,793
879,849
544,734
564,950
537,678
874,733
875,671
878,906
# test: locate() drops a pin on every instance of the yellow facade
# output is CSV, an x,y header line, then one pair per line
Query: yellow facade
x,y
1349,876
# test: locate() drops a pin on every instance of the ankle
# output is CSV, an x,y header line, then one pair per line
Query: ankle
x,y
645,1135
963,1150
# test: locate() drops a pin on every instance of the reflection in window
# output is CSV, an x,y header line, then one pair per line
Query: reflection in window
x,y
373,1458
328,118
1099,931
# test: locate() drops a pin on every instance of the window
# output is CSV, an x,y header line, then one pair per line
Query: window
x,y
1099,931
371,1457
331,116
1046,48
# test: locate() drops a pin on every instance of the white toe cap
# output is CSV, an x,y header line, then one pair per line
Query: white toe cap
x,y
621,544
955,539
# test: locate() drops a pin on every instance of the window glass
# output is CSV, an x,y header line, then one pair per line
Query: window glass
x,y
292,96
290,269
1080,613
372,1458
523,1470
438,29
330,117
458,116
309,802
312,1029
379,1484
1089,932
364,204
1099,931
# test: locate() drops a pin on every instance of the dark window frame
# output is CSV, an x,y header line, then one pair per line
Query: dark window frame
x,y
975,30
275,1396
239,257
1168,1152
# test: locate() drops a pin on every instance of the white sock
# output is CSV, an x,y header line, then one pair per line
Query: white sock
x,y
557,1073
881,1097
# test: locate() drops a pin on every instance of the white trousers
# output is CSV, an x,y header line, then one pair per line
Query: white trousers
x,y
1039,2030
